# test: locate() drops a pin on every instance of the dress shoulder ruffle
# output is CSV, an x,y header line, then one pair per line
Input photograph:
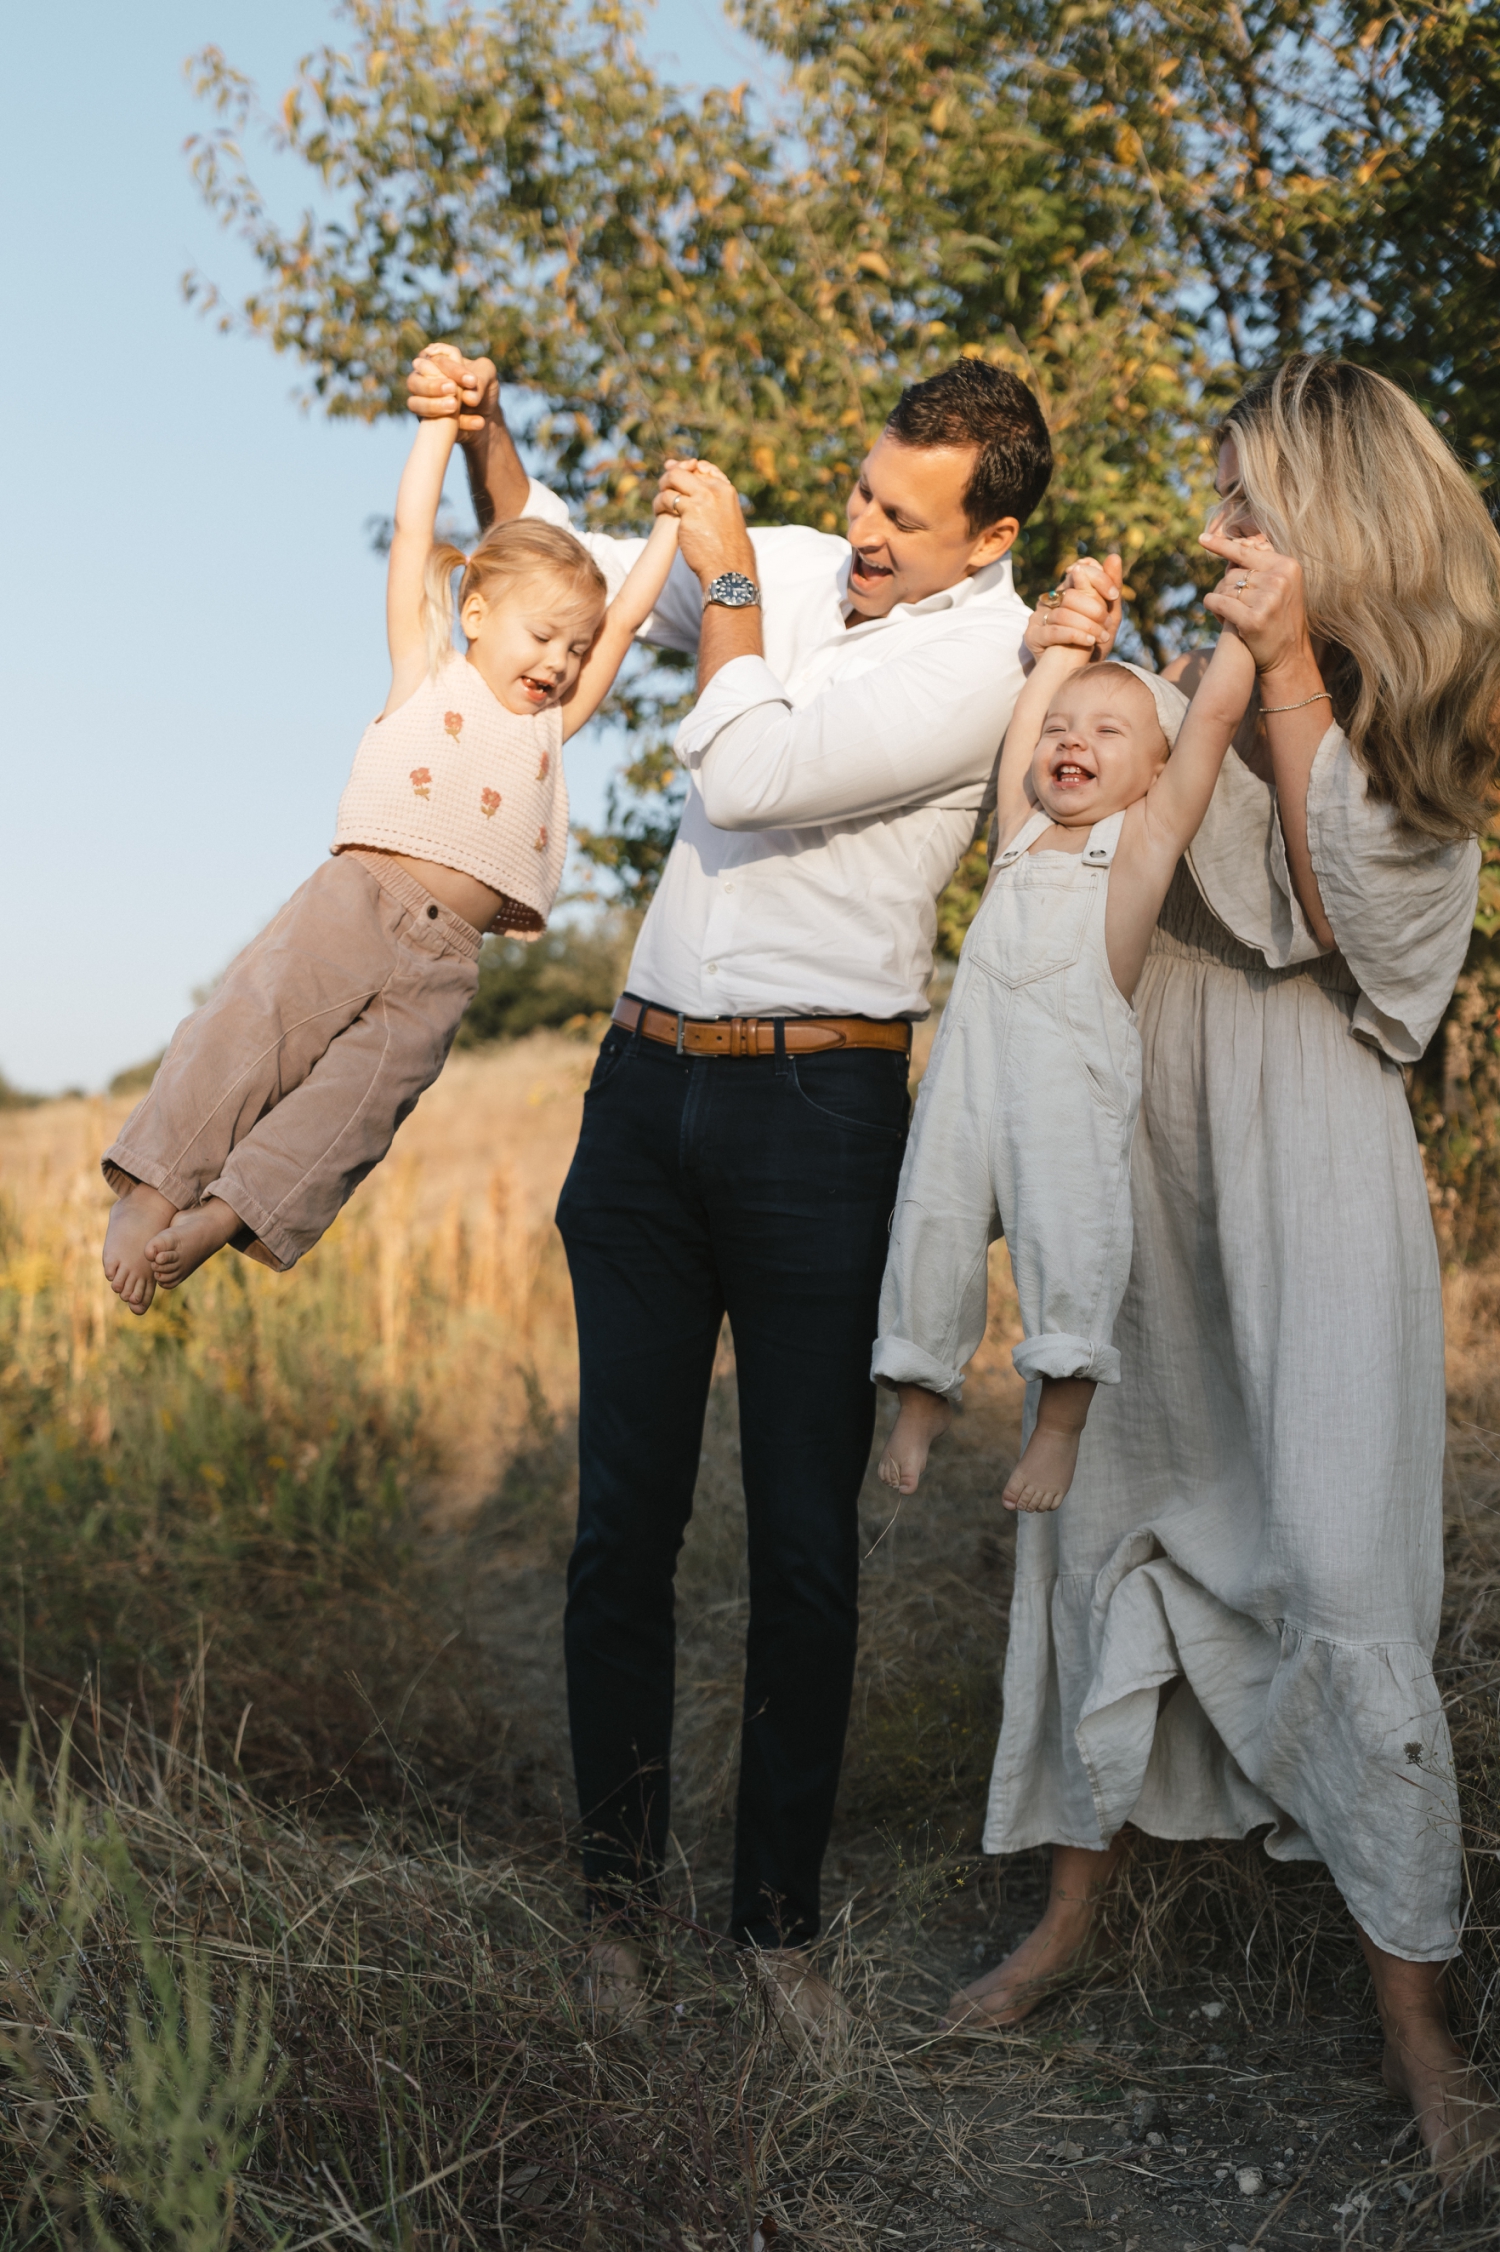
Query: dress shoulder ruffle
x,y
1401,905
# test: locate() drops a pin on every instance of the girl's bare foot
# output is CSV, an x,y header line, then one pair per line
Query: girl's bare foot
x,y
924,1416
1050,1456
139,1215
1044,1472
1455,2109
193,1236
1059,1944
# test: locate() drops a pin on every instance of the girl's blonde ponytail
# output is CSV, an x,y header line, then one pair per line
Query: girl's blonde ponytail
x,y
437,600
508,553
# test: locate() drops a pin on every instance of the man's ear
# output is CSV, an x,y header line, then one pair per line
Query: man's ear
x,y
992,543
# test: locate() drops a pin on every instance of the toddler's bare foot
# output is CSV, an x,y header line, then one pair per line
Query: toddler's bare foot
x,y
139,1215
194,1235
924,1416
1044,1472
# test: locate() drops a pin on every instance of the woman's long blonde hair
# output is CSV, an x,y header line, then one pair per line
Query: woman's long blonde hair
x,y
1401,567
520,549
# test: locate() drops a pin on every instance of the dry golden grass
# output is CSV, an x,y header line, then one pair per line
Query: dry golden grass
x,y
295,1532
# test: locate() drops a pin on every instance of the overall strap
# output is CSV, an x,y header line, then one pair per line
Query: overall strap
x,y
1104,841
1024,838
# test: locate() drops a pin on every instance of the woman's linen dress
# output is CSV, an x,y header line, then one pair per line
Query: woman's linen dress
x,y
1229,1623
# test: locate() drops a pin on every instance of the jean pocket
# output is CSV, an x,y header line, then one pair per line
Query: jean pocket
x,y
869,1100
613,1050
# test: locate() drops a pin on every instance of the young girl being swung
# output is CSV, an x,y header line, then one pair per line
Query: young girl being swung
x,y
1025,1115
278,1096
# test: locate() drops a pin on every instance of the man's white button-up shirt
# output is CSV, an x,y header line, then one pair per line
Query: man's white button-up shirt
x,y
834,784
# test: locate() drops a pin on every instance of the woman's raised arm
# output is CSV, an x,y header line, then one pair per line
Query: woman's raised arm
x,y
1260,595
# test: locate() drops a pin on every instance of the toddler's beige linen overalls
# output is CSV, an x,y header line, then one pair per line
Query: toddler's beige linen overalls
x,y
1023,1126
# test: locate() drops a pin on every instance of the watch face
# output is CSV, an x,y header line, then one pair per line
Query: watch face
x,y
733,591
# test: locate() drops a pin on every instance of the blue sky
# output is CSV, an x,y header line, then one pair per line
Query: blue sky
x,y
193,635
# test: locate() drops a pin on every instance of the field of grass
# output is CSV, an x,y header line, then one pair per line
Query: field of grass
x,y
288,1933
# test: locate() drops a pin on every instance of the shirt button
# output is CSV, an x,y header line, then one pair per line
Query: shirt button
x,y
432,914
729,887
710,969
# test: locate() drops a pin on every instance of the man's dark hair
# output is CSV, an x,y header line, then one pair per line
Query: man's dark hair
x,y
972,404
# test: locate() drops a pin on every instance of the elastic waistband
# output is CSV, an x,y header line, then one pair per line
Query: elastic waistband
x,y
438,920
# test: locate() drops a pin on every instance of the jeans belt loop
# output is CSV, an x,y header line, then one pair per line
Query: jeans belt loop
x,y
779,1036
681,1021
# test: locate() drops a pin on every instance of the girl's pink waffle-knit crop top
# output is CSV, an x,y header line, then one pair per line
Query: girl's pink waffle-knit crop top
x,y
452,776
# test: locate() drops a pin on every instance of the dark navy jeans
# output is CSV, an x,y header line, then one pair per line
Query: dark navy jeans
x,y
760,1187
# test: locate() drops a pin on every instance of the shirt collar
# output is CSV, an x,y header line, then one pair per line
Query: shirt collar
x,y
995,583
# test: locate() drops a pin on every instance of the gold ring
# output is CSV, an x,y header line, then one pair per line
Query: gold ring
x,y
677,504
1239,586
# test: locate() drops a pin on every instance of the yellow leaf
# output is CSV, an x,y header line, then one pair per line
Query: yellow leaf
x,y
764,458
871,262
939,114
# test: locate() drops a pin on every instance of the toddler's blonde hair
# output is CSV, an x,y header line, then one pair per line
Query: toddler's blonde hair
x,y
507,554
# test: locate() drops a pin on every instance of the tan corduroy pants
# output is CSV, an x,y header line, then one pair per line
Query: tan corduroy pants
x,y
284,1090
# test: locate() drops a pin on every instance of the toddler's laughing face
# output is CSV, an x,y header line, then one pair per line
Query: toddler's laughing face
x,y
529,641
1101,747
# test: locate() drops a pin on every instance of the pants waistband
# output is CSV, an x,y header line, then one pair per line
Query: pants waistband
x,y
439,920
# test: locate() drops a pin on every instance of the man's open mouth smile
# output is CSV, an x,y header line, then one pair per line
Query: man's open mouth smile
x,y
864,571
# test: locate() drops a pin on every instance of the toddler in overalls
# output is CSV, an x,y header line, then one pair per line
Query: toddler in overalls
x,y
1024,1118
275,1100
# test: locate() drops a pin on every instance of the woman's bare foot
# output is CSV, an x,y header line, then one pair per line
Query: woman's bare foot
x,y
1454,2107
924,1416
140,1215
1059,1944
193,1236
1050,1456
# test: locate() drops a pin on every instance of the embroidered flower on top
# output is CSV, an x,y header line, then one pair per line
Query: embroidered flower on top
x,y
541,839
421,781
453,724
489,803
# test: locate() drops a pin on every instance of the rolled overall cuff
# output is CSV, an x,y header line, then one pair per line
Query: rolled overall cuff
x,y
896,1360
1054,1353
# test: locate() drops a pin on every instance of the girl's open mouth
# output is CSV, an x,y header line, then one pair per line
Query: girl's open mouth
x,y
1070,776
538,691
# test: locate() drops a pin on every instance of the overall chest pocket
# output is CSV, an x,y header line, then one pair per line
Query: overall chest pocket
x,y
1033,923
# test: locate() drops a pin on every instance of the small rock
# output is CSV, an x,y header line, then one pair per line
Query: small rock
x,y
1250,2181
1407,2192
1217,2053
1155,2141
1070,2153
1148,2116
1211,2010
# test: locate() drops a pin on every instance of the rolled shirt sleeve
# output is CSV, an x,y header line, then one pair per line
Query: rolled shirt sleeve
x,y
904,733
1400,905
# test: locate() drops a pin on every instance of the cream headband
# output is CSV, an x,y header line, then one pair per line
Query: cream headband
x,y
1171,704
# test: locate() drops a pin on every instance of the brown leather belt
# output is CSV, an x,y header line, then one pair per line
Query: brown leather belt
x,y
756,1036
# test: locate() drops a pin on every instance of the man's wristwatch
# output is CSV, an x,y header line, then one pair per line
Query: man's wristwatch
x,y
733,591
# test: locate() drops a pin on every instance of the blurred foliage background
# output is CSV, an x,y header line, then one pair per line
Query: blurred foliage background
x,y
1133,206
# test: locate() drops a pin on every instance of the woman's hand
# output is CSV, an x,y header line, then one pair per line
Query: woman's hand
x,y
1082,611
1260,595
442,382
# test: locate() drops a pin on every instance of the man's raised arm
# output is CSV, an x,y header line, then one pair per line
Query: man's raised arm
x,y
440,379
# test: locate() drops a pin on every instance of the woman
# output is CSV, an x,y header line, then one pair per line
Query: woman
x,y
1229,1625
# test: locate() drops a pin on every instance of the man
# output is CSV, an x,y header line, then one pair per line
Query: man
x,y
743,1132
